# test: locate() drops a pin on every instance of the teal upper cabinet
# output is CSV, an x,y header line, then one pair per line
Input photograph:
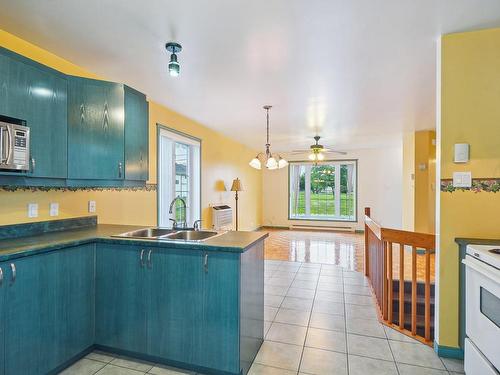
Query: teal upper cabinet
x,y
95,129
90,132
136,135
38,95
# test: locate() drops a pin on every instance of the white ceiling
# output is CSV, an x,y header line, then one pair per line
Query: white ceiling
x,y
358,72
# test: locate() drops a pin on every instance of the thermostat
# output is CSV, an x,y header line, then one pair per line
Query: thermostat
x,y
461,153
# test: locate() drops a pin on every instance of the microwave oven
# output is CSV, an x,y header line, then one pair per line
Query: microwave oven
x,y
14,144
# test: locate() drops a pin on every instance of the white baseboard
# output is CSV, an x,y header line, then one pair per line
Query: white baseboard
x,y
322,228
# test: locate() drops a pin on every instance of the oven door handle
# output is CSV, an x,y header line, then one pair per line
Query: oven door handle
x,y
483,270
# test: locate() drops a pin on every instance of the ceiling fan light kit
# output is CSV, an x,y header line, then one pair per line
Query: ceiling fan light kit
x,y
316,152
271,161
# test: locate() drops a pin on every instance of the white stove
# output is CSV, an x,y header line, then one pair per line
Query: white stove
x,y
482,322
486,253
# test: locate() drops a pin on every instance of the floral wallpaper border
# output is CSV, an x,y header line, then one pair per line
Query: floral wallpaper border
x,y
488,185
10,188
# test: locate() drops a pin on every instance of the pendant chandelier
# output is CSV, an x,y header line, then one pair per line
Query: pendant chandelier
x,y
270,160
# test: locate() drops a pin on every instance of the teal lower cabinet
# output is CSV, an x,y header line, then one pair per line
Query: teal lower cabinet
x,y
220,319
2,313
196,309
75,313
121,297
47,311
183,307
175,285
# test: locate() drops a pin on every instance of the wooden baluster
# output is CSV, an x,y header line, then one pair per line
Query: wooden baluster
x,y
401,286
391,284
414,290
427,295
384,275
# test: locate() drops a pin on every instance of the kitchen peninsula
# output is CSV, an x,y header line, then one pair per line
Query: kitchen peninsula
x,y
68,287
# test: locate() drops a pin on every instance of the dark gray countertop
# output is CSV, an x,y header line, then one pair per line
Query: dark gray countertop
x,y
477,241
24,246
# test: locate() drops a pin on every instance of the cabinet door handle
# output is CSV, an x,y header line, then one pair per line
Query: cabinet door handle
x,y
14,273
142,258
1,276
150,265
33,165
205,262
120,169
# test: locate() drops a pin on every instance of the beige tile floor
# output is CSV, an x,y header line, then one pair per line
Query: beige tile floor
x,y
320,320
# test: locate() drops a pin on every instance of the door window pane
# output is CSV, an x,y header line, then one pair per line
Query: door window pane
x,y
178,176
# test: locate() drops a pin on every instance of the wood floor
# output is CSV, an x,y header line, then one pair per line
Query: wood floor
x,y
339,248
343,249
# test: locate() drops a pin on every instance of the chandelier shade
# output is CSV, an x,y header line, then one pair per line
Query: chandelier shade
x,y
267,158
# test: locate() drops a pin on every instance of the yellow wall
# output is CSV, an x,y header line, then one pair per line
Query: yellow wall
x,y
408,206
425,177
419,175
222,160
470,112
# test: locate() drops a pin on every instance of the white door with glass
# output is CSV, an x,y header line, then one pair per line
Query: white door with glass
x,y
178,176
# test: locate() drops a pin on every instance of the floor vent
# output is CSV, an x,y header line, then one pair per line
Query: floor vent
x,y
321,228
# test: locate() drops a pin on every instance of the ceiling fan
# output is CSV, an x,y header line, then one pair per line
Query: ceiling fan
x,y
316,151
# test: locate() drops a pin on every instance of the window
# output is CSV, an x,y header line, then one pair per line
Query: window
x,y
178,176
326,191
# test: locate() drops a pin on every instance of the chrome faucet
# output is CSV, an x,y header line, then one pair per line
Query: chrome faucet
x,y
184,206
197,224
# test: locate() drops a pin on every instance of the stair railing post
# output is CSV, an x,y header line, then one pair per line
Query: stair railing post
x,y
367,248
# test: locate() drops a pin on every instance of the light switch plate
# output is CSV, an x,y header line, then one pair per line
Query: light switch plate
x,y
54,209
462,179
92,206
32,209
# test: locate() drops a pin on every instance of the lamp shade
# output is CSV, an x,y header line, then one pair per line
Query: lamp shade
x,y
282,163
237,186
255,163
271,163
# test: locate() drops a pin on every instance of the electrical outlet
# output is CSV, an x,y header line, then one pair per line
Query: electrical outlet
x,y
32,209
92,206
54,209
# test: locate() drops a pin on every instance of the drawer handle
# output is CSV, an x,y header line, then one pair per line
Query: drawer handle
x,y
205,263
150,265
14,273
142,258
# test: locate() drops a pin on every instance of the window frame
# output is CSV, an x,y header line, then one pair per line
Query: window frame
x,y
194,142
329,161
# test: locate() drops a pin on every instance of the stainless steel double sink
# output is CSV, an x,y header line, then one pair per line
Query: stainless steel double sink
x,y
169,234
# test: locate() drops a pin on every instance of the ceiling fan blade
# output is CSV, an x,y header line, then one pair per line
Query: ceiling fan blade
x,y
337,152
299,151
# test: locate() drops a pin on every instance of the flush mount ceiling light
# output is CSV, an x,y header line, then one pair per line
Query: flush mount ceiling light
x,y
270,160
173,66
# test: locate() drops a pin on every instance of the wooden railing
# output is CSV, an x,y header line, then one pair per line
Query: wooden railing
x,y
382,271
